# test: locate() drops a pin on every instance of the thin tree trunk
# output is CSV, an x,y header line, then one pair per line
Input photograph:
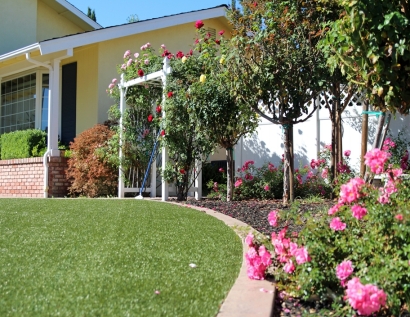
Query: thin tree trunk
x,y
291,165
229,174
334,136
286,165
339,139
365,131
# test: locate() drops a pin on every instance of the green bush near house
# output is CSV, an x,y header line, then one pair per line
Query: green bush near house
x,y
23,144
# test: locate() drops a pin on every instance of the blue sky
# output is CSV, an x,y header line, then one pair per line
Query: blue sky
x,y
116,12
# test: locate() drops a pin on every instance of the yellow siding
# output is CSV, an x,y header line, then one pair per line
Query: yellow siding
x,y
17,24
87,74
111,53
50,24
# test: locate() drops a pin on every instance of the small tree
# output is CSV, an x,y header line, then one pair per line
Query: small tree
x,y
133,18
91,14
186,141
224,118
274,59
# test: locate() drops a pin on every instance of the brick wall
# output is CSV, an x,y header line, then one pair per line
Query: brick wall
x,y
25,177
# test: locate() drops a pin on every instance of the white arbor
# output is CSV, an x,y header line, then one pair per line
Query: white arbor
x,y
157,79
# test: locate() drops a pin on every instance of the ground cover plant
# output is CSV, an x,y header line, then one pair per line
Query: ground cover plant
x,y
106,257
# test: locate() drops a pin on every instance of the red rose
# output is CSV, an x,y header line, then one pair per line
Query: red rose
x,y
190,52
218,42
150,117
166,53
163,133
199,24
182,171
221,32
180,54
159,109
255,4
140,72
170,94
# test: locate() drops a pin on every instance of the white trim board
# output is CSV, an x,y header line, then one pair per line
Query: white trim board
x,y
76,40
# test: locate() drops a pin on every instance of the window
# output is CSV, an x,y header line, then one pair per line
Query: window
x,y
19,107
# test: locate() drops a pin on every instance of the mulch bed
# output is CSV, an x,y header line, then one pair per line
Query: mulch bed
x,y
255,214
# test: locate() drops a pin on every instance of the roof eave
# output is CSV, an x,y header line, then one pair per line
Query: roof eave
x,y
87,38
20,51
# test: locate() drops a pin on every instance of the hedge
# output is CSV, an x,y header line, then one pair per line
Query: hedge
x,y
23,144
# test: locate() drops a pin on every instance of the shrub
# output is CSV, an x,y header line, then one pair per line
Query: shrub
x,y
23,144
398,147
359,246
215,179
266,182
91,173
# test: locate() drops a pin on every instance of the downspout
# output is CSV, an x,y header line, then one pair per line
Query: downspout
x,y
51,88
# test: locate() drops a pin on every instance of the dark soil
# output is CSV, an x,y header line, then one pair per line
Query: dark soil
x,y
255,212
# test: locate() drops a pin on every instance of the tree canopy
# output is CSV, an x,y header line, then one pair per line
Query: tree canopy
x,y
370,44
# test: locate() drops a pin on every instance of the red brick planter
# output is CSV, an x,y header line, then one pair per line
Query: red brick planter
x,y
25,177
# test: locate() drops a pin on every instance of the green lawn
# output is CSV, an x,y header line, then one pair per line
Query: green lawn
x,y
107,257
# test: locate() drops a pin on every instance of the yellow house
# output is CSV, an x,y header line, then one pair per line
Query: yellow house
x,y
57,52
56,63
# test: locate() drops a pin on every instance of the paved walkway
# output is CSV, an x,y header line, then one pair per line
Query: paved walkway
x,y
245,299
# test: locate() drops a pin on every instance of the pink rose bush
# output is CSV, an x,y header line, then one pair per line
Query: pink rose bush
x,y
257,259
367,226
287,252
266,182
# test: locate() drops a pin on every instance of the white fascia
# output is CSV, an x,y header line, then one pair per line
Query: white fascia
x,y
20,52
114,32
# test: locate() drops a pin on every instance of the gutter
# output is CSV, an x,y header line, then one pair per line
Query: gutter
x,y
52,88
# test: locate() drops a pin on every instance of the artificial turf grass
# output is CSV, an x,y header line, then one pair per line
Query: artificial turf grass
x,y
81,257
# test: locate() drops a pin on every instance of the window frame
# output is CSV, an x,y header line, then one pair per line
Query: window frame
x,y
38,92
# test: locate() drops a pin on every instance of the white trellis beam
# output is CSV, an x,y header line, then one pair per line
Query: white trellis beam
x,y
155,79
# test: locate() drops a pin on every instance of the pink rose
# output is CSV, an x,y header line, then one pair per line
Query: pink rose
x,y
273,218
289,267
344,270
399,217
358,211
301,255
249,239
127,54
347,153
337,225
238,182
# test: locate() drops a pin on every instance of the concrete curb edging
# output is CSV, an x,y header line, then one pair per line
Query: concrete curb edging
x,y
245,299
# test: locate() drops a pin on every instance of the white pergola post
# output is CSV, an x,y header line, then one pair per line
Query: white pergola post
x,y
153,186
198,180
122,110
164,186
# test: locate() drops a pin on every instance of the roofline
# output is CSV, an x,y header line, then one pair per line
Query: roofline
x,y
79,13
109,33
20,51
